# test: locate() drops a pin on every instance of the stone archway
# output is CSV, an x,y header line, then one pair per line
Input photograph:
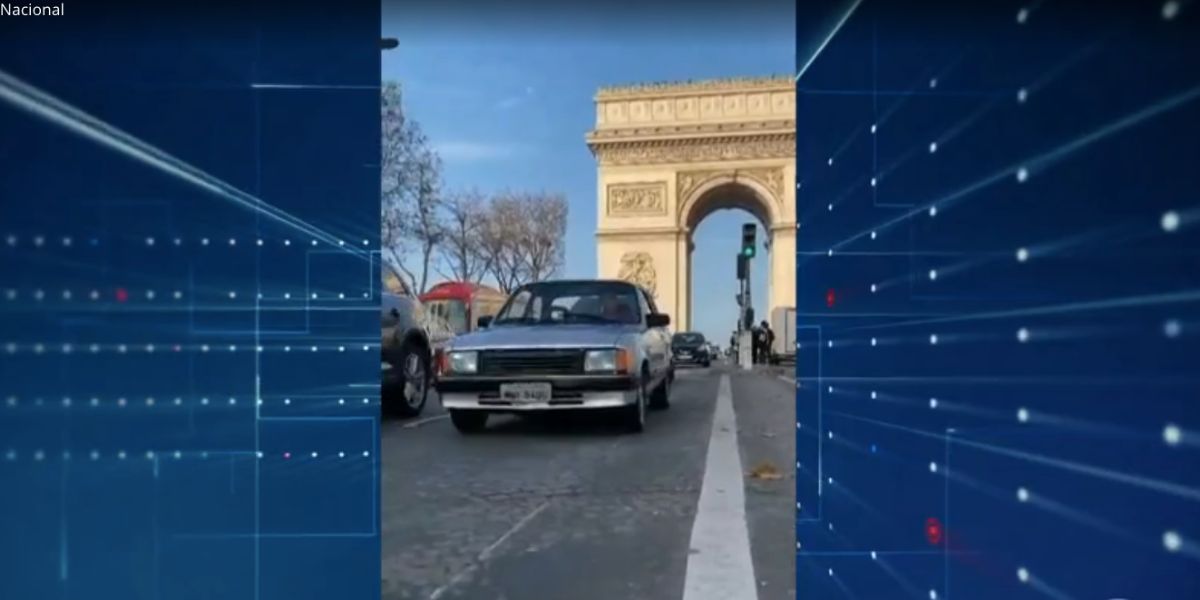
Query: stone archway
x,y
670,154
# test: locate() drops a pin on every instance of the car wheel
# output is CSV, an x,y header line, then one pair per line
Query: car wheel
x,y
661,399
469,421
408,398
635,416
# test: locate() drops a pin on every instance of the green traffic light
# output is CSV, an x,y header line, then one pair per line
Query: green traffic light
x,y
748,251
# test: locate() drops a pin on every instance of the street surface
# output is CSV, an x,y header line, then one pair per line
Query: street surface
x,y
570,507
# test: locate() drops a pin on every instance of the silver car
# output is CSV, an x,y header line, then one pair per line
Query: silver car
x,y
561,345
405,349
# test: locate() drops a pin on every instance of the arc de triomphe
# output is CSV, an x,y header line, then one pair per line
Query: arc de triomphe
x,y
669,155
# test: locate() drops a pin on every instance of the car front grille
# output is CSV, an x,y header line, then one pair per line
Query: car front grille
x,y
531,362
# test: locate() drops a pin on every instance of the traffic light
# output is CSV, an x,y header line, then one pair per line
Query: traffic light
x,y
749,231
743,267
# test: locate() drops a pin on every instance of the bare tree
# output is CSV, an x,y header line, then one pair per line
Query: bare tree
x,y
411,180
499,242
462,250
524,237
542,247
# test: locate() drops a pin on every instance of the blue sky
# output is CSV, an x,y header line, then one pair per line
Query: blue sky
x,y
508,105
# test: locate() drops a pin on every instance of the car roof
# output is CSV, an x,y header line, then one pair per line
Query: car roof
x,y
577,281
616,282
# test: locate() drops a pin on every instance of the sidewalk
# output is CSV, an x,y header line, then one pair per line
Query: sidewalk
x,y
783,371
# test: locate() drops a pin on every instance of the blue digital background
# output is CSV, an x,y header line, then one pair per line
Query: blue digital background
x,y
999,298
189,234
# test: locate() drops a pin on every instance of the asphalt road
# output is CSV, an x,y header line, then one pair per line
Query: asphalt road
x,y
573,508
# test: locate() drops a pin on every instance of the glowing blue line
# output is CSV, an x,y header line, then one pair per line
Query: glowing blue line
x,y
1107,304
1045,159
1158,485
828,38
39,103
334,419
307,86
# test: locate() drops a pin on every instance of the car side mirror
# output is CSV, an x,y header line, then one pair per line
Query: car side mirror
x,y
483,321
657,320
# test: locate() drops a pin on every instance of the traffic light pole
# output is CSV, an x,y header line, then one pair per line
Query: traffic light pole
x,y
745,302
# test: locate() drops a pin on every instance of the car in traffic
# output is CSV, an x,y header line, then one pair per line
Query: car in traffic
x,y
690,348
405,348
567,345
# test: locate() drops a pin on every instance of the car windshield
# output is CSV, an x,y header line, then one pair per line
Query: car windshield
x,y
688,339
453,312
555,303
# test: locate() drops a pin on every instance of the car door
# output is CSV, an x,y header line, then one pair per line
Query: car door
x,y
656,340
401,312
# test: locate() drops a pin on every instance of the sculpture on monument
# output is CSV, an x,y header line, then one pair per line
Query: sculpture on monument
x,y
638,267
634,199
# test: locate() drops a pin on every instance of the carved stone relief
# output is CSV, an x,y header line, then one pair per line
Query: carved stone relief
x,y
638,267
750,147
637,199
769,177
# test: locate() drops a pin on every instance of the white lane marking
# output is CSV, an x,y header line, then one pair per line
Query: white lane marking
x,y
487,552
420,422
719,565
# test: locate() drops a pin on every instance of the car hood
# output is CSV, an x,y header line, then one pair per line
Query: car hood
x,y
544,336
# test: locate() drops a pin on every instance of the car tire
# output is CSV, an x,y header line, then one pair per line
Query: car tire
x,y
469,421
635,416
407,399
661,398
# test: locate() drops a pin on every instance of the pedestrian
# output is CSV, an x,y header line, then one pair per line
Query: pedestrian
x,y
768,341
756,344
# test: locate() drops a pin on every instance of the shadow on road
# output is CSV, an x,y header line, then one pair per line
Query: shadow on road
x,y
598,423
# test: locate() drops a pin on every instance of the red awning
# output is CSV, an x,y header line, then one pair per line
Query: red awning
x,y
458,290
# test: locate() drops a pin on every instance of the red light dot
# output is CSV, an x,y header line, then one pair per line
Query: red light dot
x,y
122,295
933,531
830,298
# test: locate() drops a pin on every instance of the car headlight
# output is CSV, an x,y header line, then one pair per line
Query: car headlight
x,y
462,363
614,360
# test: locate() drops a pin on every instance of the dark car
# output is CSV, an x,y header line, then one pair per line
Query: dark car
x,y
407,358
690,348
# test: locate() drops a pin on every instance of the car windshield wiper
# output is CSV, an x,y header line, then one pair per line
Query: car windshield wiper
x,y
514,320
590,317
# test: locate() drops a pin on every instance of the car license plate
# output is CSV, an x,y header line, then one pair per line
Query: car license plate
x,y
526,393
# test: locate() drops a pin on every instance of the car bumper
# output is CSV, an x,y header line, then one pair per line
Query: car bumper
x,y
391,375
567,393
695,359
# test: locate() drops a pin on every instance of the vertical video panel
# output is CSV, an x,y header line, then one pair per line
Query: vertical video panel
x,y
1000,197
189,221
